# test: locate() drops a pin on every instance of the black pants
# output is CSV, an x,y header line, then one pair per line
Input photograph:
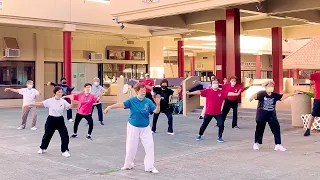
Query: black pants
x,y
69,111
228,104
275,129
53,124
149,96
77,122
170,121
99,109
206,120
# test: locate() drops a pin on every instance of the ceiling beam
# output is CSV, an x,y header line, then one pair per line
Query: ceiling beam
x,y
305,16
203,17
209,27
176,21
269,23
196,34
170,32
287,6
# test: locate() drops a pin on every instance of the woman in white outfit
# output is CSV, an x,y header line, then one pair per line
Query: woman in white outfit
x,y
138,127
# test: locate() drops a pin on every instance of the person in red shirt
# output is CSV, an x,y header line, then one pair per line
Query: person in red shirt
x,y
231,102
315,77
148,82
214,99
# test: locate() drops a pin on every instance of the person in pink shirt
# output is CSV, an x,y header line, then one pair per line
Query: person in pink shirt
x,y
85,102
214,100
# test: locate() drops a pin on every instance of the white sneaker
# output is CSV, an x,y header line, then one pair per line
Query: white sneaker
x,y
20,128
169,133
154,171
33,128
125,168
279,147
70,120
41,151
66,154
255,146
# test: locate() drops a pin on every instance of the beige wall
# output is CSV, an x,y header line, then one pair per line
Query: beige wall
x,y
42,46
209,62
265,60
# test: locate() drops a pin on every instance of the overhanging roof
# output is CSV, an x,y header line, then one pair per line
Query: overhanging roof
x,y
307,57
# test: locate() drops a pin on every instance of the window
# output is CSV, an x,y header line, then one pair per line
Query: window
x,y
15,74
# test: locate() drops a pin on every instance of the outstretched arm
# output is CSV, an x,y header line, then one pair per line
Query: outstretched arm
x,y
253,97
285,96
12,90
37,104
114,106
234,94
193,93
51,84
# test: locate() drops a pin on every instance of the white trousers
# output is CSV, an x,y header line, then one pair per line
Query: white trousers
x,y
134,134
203,110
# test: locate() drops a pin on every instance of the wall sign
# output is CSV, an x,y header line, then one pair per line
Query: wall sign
x,y
249,64
150,1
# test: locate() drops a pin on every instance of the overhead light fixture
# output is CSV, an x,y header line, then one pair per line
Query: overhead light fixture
x,y
203,38
198,47
101,1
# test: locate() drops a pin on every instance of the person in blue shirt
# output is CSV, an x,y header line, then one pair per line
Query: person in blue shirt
x,y
65,90
138,127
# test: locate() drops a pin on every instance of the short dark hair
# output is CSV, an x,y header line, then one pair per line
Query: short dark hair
x,y
63,78
87,84
214,79
164,81
138,86
56,89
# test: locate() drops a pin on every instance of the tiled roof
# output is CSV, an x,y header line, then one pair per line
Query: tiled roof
x,y
307,57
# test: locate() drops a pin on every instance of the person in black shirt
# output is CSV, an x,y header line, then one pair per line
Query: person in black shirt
x,y
165,94
65,90
266,113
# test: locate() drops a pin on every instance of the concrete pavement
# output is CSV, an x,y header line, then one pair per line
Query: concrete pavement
x,y
177,157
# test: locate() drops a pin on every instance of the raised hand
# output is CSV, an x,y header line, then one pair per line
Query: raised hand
x,y
49,83
6,89
157,99
106,110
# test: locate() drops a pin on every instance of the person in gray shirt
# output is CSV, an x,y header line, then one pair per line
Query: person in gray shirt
x,y
98,91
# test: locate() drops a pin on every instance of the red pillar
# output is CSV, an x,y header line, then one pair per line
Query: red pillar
x,y
296,74
220,30
289,73
67,62
258,67
192,65
233,44
277,70
180,59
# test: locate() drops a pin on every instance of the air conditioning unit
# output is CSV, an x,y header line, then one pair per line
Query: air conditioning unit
x,y
11,53
95,56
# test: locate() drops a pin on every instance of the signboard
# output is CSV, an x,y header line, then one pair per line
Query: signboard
x,y
219,68
249,64
150,1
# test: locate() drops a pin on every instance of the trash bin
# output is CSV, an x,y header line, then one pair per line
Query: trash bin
x,y
300,105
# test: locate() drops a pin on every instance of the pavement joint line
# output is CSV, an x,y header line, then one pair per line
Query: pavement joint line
x,y
212,148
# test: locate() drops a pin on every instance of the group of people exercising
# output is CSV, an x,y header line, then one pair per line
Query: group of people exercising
x,y
154,100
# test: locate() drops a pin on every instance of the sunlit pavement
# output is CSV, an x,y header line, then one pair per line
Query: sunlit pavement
x,y
177,157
